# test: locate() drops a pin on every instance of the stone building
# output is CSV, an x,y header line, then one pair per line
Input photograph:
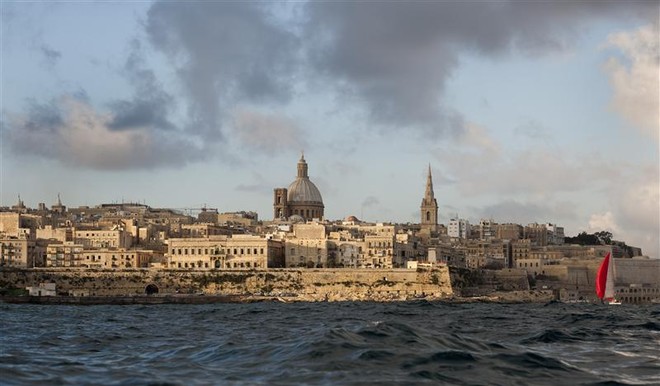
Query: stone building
x,y
350,254
103,238
20,206
19,252
302,198
380,250
225,252
429,207
307,246
537,233
14,224
520,249
67,254
458,228
487,229
58,207
202,230
114,258
509,231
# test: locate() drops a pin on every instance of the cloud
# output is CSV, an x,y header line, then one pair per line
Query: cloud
x,y
267,133
224,53
74,133
635,206
478,138
50,56
603,222
150,104
534,171
636,81
396,58
638,207
134,133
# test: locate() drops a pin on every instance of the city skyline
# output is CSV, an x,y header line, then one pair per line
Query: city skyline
x,y
526,112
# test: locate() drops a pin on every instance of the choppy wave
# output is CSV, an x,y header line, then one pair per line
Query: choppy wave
x,y
330,343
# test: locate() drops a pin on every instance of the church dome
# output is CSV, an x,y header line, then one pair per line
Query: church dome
x,y
296,218
302,189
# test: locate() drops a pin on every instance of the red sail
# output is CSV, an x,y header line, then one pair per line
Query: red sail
x,y
601,277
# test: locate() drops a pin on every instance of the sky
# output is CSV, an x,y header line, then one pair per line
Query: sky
x,y
526,112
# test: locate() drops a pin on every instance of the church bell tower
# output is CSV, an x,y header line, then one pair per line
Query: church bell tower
x,y
429,207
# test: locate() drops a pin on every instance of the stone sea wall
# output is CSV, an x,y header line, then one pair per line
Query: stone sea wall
x,y
480,282
294,284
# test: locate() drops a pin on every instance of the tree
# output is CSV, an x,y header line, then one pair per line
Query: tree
x,y
583,238
604,237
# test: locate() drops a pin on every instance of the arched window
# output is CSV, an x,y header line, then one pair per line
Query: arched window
x,y
428,216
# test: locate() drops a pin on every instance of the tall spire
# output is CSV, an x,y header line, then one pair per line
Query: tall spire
x,y
428,195
429,207
59,202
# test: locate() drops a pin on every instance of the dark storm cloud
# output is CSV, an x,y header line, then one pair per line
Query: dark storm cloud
x,y
150,104
43,116
398,56
136,134
391,59
71,131
41,120
224,52
139,113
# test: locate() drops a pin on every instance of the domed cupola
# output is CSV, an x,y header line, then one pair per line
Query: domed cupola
x,y
303,189
302,198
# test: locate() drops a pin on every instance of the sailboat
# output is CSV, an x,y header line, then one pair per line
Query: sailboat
x,y
605,281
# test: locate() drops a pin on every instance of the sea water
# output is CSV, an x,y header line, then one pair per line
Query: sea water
x,y
330,344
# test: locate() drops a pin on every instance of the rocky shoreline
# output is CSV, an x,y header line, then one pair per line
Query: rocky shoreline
x,y
496,297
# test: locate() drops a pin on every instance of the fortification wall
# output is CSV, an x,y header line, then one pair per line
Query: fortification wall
x,y
637,271
480,282
313,284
